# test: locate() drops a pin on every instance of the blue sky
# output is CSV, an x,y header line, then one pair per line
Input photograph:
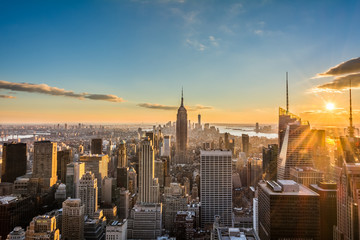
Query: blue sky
x,y
228,55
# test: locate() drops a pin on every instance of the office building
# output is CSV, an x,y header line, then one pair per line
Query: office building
x,y
287,210
42,228
17,234
123,197
64,157
72,219
215,186
13,161
96,146
15,210
94,227
98,165
146,172
306,175
88,193
296,149
145,221
74,172
245,144
184,225
166,147
181,133
328,214
121,155
44,165
116,230
348,200
270,155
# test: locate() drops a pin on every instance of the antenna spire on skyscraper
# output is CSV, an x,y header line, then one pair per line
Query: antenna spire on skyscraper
x,y
287,94
182,96
351,127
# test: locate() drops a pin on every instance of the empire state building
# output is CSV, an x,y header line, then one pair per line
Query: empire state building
x,y
181,133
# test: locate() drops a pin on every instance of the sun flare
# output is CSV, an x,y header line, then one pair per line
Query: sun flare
x,y
330,106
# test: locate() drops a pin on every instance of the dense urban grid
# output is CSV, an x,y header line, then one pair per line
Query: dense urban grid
x,y
180,180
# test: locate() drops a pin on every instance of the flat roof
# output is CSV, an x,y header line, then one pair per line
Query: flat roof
x,y
303,191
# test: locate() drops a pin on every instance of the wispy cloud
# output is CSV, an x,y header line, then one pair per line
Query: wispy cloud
x,y
339,84
350,66
197,107
7,96
195,44
157,106
213,41
54,91
200,107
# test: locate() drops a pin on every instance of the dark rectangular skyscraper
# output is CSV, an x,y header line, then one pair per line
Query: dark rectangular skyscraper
x,y
287,210
270,161
245,143
13,161
96,146
63,158
327,192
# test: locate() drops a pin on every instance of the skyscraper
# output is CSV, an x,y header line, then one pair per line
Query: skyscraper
x,y
13,161
88,193
181,133
296,149
348,200
245,143
96,146
287,210
122,173
327,192
45,164
74,172
72,220
64,157
270,155
215,186
146,172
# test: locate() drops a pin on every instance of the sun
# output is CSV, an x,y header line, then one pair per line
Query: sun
x,y
330,106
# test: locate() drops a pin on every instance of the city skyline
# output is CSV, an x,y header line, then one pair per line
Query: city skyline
x,y
126,61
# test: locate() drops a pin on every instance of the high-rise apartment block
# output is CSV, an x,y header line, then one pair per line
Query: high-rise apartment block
x,y
13,161
215,186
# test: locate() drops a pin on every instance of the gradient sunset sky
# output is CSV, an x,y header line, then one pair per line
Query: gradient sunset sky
x,y
126,61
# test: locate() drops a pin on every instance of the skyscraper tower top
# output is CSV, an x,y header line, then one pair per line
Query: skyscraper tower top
x,y
287,94
181,130
351,127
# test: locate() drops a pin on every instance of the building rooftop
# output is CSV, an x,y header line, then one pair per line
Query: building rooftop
x,y
287,187
8,199
215,152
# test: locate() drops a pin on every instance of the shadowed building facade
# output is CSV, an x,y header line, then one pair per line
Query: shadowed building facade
x,y
13,161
